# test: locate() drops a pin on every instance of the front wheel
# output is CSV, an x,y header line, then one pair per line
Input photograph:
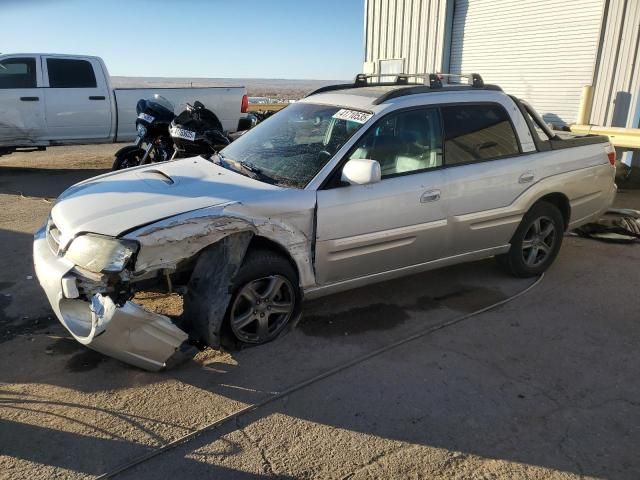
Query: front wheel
x,y
128,159
536,242
265,300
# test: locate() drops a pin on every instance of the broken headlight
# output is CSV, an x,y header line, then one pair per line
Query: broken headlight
x,y
100,254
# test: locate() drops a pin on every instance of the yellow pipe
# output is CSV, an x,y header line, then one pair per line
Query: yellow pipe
x,y
620,137
586,101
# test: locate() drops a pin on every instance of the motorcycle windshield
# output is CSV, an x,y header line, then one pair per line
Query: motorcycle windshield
x,y
163,102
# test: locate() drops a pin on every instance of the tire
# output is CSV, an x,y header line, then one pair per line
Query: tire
x,y
266,299
127,159
536,242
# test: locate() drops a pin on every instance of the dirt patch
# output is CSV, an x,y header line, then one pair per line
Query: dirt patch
x,y
169,304
85,361
5,297
24,326
379,316
383,316
466,299
63,346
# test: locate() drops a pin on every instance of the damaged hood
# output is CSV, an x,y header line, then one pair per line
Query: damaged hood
x,y
116,202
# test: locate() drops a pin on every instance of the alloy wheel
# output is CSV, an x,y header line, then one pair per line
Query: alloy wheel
x,y
538,241
262,308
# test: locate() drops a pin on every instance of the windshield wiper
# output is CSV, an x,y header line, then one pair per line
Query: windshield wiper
x,y
248,168
251,167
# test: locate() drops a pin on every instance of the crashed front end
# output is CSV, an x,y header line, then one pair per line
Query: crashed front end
x,y
93,300
91,280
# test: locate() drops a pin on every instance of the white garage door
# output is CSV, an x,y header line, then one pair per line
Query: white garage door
x,y
543,51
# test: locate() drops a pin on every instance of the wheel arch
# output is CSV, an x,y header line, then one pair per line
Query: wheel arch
x,y
561,202
261,242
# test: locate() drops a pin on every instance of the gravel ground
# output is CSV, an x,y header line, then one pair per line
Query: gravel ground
x,y
542,387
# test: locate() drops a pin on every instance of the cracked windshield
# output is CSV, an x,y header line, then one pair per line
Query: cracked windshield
x,y
294,145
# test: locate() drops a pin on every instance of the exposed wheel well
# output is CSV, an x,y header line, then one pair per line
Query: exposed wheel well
x,y
562,203
258,242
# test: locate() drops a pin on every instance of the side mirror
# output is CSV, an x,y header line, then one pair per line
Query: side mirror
x,y
361,172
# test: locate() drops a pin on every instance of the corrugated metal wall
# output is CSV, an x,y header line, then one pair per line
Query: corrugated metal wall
x,y
617,82
543,51
413,30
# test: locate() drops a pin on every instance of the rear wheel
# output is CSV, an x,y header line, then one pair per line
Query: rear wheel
x,y
536,242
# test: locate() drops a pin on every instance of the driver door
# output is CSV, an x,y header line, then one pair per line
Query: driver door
x,y
398,222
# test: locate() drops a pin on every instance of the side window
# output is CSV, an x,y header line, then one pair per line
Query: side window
x,y
18,73
67,73
404,142
477,132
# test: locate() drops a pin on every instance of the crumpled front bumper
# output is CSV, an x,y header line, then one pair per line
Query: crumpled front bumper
x,y
129,333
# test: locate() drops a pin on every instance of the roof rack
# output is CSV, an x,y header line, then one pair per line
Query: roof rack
x,y
430,82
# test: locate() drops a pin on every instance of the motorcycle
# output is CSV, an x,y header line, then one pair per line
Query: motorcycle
x,y
197,131
153,142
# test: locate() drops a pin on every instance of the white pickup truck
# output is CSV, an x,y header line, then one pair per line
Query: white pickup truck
x,y
50,99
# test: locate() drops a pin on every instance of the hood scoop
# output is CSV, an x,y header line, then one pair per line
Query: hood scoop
x,y
155,174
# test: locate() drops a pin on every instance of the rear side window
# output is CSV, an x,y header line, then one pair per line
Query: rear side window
x,y
18,73
477,132
66,73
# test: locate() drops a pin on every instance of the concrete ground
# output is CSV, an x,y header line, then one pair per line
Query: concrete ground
x,y
544,386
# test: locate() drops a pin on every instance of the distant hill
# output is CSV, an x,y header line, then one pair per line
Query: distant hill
x,y
280,88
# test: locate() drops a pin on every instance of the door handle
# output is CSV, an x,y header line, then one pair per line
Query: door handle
x,y
430,196
29,99
97,97
526,177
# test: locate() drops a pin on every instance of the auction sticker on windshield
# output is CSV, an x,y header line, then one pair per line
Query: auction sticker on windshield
x,y
353,115
182,133
146,118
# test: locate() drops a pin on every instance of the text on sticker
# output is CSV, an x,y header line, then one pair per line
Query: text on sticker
x,y
353,115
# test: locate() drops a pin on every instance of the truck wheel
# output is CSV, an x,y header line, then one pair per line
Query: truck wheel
x,y
127,159
265,299
536,242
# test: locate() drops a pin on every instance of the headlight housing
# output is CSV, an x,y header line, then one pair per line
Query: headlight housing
x,y
97,253
142,131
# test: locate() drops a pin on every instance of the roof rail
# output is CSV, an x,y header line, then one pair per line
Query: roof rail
x,y
431,82
361,80
402,92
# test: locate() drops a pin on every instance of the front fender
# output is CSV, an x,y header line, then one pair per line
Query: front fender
x,y
166,243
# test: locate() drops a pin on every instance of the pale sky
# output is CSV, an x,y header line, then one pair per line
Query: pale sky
x,y
314,39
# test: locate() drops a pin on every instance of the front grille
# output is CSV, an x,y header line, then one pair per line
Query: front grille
x,y
53,237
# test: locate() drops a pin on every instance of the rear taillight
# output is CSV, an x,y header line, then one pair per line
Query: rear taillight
x,y
245,104
611,154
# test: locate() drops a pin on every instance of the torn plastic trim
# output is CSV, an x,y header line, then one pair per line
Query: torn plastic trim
x,y
133,335
166,243
210,288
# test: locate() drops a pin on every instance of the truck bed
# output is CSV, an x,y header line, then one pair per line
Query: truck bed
x,y
569,140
